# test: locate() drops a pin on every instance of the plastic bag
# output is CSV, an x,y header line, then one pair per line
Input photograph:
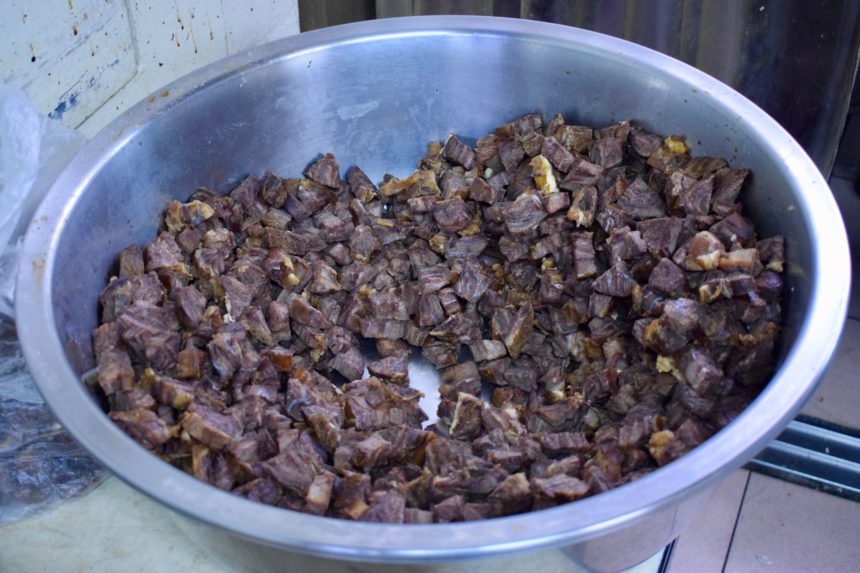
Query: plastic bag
x,y
40,464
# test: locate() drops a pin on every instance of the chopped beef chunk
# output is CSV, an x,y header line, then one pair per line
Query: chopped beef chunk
x,y
603,285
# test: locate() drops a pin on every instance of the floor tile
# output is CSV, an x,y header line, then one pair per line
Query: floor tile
x,y
703,547
838,395
788,528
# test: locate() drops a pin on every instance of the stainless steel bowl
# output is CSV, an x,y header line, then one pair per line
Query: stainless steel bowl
x,y
374,93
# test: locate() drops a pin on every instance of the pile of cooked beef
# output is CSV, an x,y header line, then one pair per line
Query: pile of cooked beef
x,y
601,285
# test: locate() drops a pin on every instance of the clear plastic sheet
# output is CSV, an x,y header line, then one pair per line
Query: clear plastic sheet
x,y
40,464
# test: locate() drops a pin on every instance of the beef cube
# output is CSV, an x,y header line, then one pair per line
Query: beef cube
x,y
661,235
391,369
639,201
644,143
190,304
615,282
557,154
144,426
440,354
360,185
625,245
190,363
727,186
473,282
584,255
466,421
164,253
555,202
519,329
115,372
458,328
452,215
524,214
213,429
131,261
606,152
325,170
668,279
563,443
458,152
431,279
513,495
349,363
559,488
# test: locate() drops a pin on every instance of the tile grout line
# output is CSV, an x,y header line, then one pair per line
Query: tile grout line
x,y
735,526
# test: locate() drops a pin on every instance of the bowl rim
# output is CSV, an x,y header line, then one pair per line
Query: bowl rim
x,y
791,385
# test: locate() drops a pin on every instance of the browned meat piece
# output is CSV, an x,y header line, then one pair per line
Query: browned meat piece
x,y
164,253
274,190
302,312
391,369
644,143
458,328
360,185
142,322
363,244
582,175
190,303
696,199
772,252
668,279
245,194
440,354
574,137
615,282
481,191
115,372
666,446
513,495
390,305
519,329
145,427
734,230
326,171
524,214
190,363
661,235
563,443
131,261
452,215
385,507
727,186
584,256
606,152
178,395
213,429
704,252
557,154
523,374
208,262
700,167
458,152
466,421
625,245
291,469
559,488
349,363
639,201
483,350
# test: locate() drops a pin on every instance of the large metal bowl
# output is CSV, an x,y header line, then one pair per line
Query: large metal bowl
x,y
374,93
